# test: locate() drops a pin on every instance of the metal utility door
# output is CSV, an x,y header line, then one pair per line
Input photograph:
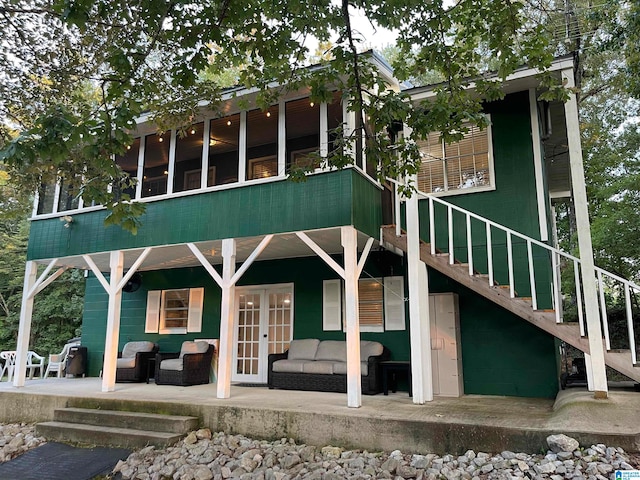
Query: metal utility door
x,y
265,325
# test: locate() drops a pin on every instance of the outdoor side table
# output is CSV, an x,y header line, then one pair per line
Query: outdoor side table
x,y
393,368
151,369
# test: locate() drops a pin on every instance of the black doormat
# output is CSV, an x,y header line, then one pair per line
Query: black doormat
x,y
58,461
263,385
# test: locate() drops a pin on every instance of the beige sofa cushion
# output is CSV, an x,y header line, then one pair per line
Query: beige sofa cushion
x,y
304,349
324,368
340,368
369,349
131,348
128,362
193,347
332,351
288,366
171,364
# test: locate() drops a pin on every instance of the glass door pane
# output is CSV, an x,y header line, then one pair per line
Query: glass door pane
x,y
248,347
279,322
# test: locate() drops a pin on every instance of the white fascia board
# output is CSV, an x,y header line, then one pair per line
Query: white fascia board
x,y
525,73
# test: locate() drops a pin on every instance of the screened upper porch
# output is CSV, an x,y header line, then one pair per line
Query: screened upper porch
x,y
236,149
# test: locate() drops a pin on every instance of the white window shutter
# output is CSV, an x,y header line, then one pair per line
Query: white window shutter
x,y
394,303
196,299
331,305
153,311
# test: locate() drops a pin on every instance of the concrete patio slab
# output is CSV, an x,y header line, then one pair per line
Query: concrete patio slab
x,y
446,425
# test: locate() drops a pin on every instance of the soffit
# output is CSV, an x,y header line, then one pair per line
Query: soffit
x,y
285,245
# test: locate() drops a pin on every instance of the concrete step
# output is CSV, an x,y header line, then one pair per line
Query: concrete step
x,y
105,436
132,420
116,428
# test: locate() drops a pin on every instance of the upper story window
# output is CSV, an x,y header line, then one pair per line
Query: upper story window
x,y
224,151
156,164
302,122
188,164
129,164
46,195
465,165
262,143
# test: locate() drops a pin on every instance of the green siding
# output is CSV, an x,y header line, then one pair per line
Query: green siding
x,y
324,200
501,354
513,204
367,206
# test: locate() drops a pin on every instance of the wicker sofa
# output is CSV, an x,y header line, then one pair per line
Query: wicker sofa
x,y
311,364
190,366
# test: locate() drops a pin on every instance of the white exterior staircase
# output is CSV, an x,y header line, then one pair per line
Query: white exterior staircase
x,y
549,320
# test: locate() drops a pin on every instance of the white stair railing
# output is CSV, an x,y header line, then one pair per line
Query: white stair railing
x,y
607,282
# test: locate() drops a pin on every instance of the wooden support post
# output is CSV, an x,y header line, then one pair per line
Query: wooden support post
x,y
227,318
24,328
422,378
349,237
594,330
116,262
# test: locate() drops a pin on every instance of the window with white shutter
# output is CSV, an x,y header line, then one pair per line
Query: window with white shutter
x,y
380,302
174,311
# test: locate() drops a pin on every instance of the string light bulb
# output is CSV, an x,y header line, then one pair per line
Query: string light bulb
x,y
268,114
229,123
193,131
161,139
311,104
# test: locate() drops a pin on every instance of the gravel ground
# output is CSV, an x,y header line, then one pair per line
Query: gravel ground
x,y
204,455
15,439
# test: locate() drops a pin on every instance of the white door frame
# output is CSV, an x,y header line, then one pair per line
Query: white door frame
x,y
263,349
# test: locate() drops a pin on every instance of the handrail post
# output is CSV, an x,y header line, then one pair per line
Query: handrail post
x,y
576,273
469,246
489,255
532,277
603,311
557,294
512,289
450,229
432,225
632,340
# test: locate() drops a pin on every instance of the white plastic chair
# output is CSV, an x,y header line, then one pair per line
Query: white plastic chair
x,y
34,362
58,361
9,366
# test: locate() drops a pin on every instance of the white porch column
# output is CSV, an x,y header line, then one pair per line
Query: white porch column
x,y
116,262
227,318
349,237
596,345
24,329
419,321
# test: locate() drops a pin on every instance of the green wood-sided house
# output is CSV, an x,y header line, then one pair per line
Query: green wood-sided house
x,y
460,280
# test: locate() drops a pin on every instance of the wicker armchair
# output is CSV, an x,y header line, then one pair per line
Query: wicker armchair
x,y
190,366
133,361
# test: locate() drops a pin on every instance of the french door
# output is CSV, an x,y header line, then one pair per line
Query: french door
x,y
264,319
